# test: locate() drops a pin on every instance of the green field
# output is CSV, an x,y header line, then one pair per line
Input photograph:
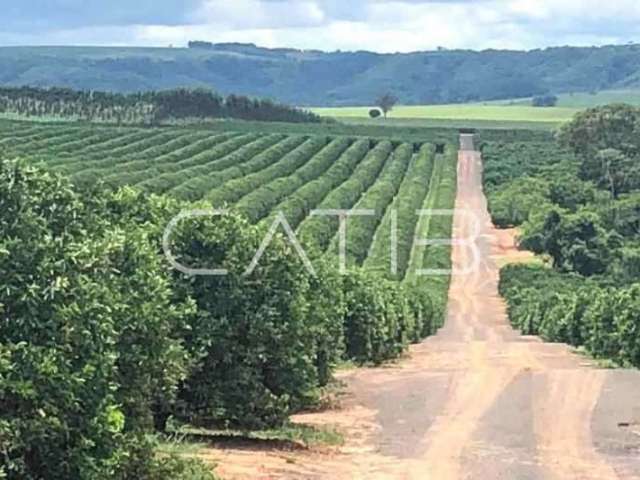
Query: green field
x,y
462,112
512,113
257,171
583,100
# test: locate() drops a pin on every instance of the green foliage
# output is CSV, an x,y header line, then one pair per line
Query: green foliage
x,y
149,107
320,230
257,204
211,176
175,467
88,344
361,230
242,351
577,242
606,139
507,161
409,200
567,308
306,77
297,206
588,227
259,337
437,257
234,190
600,128
513,203
373,323
204,163
522,178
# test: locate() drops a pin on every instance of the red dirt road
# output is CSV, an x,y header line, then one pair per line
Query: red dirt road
x,y
477,401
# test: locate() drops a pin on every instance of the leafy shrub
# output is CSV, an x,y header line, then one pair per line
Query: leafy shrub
x,y
513,203
439,227
571,309
88,349
262,344
375,311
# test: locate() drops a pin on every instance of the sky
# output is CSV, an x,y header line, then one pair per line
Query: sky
x,y
376,25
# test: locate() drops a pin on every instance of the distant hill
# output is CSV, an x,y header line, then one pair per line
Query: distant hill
x,y
314,78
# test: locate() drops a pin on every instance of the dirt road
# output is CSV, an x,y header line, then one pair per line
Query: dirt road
x,y
477,401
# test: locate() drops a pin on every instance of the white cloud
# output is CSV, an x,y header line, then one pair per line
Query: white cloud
x,y
380,25
251,14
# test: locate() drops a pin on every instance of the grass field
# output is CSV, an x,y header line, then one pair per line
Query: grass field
x,y
583,100
463,112
512,113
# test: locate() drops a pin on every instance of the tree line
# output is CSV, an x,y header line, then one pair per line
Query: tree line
x,y
150,107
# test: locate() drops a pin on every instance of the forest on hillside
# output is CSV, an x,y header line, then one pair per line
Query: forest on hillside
x,y
314,78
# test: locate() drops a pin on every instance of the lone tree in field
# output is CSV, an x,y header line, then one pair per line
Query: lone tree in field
x,y
386,103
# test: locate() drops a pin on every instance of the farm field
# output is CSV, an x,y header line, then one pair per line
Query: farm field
x,y
458,112
319,240
466,356
478,399
256,174
582,100
370,315
434,123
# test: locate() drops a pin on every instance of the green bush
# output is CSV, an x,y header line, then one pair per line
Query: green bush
x,y
88,349
574,310
512,204
371,323
261,339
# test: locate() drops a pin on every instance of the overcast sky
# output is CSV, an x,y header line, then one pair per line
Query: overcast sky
x,y
378,25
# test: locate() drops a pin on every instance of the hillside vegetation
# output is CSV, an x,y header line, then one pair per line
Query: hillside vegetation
x,y
313,78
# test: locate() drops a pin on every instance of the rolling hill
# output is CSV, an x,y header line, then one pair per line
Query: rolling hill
x,y
314,78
